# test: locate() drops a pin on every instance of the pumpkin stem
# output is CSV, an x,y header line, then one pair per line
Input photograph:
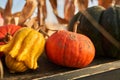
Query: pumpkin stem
x,y
7,38
75,26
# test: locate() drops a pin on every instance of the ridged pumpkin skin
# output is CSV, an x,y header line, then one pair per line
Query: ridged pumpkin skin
x,y
85,27
23,50
10,29
70,49
111,23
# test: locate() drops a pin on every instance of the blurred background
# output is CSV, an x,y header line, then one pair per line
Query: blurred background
x,y
19,4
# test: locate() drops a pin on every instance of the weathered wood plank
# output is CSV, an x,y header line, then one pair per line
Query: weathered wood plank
x,y
84,72
47,70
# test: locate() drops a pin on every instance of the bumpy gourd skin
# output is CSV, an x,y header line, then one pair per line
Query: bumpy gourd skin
x,y
14,65
23,51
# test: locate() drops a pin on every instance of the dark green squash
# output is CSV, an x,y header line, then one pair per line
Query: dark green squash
x,y
85,27
111,23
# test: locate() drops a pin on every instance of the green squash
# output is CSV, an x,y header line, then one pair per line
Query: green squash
x,y
111,23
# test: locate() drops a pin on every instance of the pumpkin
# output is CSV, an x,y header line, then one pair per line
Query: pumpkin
x,y
23,50
86,28
7,31
69,49
111,23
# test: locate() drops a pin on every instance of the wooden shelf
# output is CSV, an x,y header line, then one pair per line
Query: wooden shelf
x,y
49,71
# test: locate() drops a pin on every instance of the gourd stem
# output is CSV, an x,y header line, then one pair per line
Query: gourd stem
x,y
43,32
75,26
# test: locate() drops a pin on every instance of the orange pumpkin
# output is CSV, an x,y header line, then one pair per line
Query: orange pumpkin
x,y
70,49
7,30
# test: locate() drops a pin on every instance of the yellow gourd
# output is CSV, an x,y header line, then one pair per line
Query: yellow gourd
x,y
23,51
